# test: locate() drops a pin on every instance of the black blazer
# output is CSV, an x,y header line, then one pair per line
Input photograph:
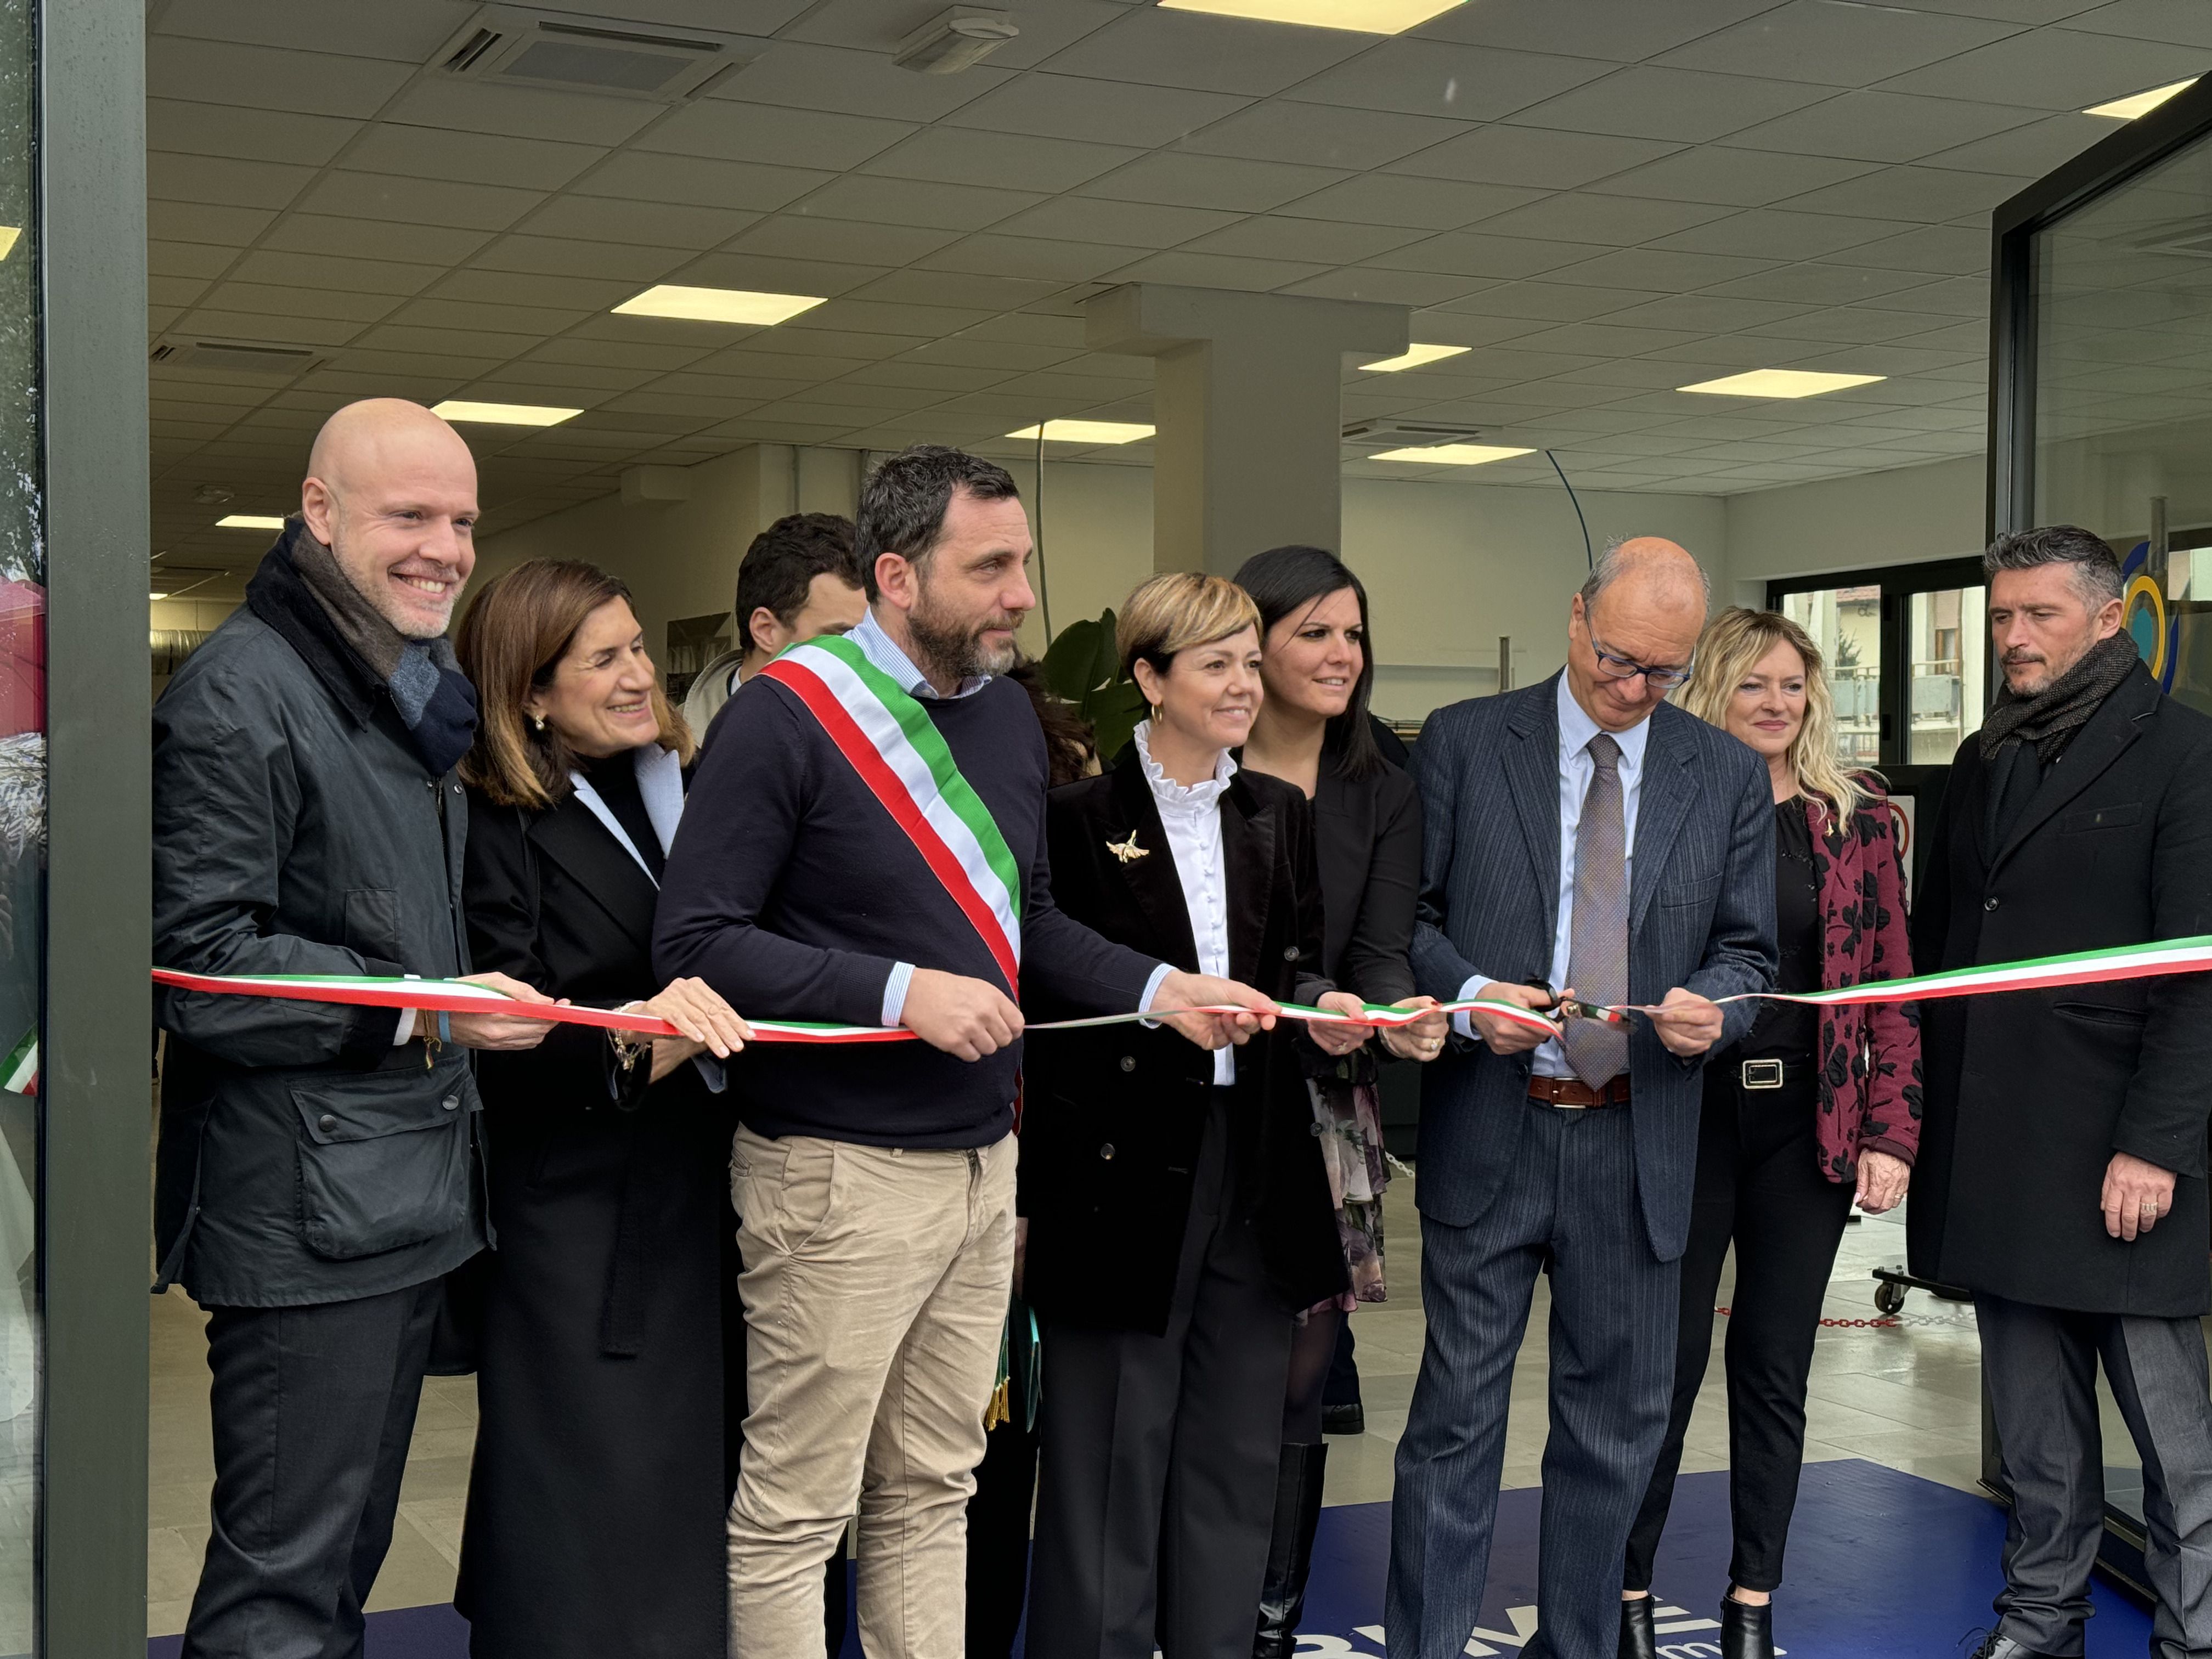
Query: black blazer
x,y
1112,1117
2030,1093
1367,837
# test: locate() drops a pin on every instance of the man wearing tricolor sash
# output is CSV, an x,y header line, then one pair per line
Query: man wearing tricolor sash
x,y
2061,1172
865,844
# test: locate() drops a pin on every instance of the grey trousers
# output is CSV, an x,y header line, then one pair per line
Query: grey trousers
x,y
1156,1496
2040,1366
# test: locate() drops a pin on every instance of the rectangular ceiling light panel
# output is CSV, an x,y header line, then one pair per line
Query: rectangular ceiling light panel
x,y
1780,383
717,305
1360,17
1453,454
457,409
2126,109
1085,432
249,521
1412,357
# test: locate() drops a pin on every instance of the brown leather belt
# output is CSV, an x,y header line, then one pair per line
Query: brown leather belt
x,y
1573,1091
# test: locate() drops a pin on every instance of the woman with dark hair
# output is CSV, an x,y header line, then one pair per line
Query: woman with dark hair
x,y
1313,731
595,1502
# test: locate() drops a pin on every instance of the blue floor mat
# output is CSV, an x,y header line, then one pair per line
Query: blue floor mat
x,y
1882,1566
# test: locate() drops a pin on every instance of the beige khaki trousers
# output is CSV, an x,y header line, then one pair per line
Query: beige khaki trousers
x,y
875,1288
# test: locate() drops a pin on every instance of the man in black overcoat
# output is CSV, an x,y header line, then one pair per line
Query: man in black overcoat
x,y
2061,1172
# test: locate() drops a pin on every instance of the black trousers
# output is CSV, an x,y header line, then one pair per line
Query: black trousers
x,y
1156,1495
312,1410
1760,1185
999,1539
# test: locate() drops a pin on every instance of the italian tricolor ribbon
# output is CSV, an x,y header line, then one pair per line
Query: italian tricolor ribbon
x,y
888,739
2180,956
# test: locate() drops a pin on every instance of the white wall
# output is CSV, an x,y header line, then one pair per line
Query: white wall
x,y
1870,519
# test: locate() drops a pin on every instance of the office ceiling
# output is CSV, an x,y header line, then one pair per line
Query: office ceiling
x,y
1605,199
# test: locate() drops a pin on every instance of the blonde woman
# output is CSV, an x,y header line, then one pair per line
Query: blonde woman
x,y
1814,1106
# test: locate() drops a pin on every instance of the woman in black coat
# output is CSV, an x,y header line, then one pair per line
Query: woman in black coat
x,y
596,1504
1314,732
1179,1213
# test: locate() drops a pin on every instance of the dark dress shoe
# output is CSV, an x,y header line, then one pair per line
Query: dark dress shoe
x,y
1638,1638
1994,1646
1344,1419
1747,1633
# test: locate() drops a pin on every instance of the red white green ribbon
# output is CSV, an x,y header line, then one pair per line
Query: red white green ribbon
x,y
898,752
19,1072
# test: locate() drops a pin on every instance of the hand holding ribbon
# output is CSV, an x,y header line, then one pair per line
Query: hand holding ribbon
x,y
1211,1012
1335,1038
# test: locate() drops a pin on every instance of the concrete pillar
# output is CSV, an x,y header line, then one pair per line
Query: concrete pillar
x,y
1247,396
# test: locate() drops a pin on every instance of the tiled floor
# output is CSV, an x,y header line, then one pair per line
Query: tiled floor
x,y
1906,1396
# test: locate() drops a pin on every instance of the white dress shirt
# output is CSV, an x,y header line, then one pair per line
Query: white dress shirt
x,y
1577,768
1191,815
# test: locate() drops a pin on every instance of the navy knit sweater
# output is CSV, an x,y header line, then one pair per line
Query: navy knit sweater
x,y
791,892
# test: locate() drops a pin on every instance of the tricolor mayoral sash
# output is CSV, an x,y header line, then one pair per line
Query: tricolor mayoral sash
x,y
888,739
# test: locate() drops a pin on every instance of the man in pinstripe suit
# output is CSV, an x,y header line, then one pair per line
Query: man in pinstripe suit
x,y
1580,834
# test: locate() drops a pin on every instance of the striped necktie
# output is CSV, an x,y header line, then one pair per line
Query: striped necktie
x,y
1597,945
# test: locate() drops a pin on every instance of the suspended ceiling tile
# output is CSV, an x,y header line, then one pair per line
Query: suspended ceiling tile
x,y
308,82
410,202
1123,224
961,155
405,31
1945,250
1650,267
2055,69
456,105
1205,52
1681,106
1929,194
488,318
874,317
1820,284
2030,151
1617,220
1606,339
478,158
1551,301
957,288
926,204
801,76
987,354
201,259
223,180
198,221
1881,126
1532,156
1388,288
1322,240
607,219
732,131
424,366
372,238
796,236
1963,297
1592,29
1320,135
634,264
332,274
1037,257
1226,182
1097,111
1776,233
174,291
213,323
1443,78
1836,44
275,301
1382,198
880,25
819,342
1855,325
943,378
1218,270
524,288
1471,253
693,180
2183,23
1706,313
250,134
756,272
1732,177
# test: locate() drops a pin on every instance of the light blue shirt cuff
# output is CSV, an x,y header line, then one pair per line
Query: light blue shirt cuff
x,y
1153,990
895,989
711,1072
1463,1022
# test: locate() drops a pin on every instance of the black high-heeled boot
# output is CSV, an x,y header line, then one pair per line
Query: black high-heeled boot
x,y
1638,1640
1747,1631
1290,1551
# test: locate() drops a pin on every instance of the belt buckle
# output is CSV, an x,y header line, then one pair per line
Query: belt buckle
x,y
1762,1074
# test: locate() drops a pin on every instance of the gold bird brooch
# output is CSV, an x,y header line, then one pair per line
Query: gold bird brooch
x,y
1129,851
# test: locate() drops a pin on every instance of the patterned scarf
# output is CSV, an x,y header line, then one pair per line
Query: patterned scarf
x,y
2050,719
434,699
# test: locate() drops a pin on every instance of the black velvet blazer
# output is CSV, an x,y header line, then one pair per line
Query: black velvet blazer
x,y
1112,1118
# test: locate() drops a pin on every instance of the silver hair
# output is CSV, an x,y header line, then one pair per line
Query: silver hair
x,y
1610,567
2089,558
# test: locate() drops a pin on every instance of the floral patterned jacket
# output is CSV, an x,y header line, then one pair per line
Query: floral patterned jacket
x,y
1869,1053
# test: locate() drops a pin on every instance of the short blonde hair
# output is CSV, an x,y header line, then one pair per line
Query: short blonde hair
x,y
1733,644
1175,612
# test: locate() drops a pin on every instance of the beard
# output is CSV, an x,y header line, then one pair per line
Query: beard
x,y
952,650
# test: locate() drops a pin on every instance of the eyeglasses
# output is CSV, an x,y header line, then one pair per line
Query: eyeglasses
x,y
1616,666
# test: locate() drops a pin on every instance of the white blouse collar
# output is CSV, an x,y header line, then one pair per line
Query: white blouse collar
x,y
1194,798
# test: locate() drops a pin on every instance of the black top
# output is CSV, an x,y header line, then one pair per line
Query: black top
x,y
614,780
793,891
1791,1030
